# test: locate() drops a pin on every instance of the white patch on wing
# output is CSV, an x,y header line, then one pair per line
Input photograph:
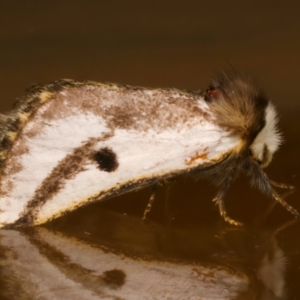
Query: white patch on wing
x,y
140,155
56,139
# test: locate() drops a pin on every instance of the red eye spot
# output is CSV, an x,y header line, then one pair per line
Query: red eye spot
x,y
212,94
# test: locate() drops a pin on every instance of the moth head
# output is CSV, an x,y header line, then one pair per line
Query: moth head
x,y
267,140
241,107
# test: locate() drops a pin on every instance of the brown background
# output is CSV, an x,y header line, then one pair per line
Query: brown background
x,y
178,44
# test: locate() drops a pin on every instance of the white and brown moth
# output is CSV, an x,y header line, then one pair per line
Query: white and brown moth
x,y
70,143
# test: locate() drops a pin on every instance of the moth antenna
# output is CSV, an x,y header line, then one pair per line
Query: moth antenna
x,y
150,202
282,185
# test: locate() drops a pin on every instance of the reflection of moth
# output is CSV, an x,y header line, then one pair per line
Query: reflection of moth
x,y
142,262
49,265
257,253
70,143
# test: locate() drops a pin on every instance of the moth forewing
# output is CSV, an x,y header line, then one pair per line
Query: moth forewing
x,y
84,142
133,170
70,143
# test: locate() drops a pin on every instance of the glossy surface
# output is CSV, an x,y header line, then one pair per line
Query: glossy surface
x,y
169,44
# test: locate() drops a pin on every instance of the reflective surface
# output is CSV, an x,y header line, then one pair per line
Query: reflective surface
x,y
169,44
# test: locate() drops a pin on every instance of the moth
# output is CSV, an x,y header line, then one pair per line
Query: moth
x,y
69,143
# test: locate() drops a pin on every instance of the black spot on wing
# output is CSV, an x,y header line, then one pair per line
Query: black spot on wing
x,y
114,277
106,159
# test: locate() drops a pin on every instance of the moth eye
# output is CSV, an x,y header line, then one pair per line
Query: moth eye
x,y
211,93
106,159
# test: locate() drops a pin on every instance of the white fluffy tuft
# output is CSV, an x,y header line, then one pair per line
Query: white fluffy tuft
x,y
268,137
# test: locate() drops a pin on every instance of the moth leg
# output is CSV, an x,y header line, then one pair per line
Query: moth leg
x,y
219,199
280,200
220,202
282,185
273,203
150,202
